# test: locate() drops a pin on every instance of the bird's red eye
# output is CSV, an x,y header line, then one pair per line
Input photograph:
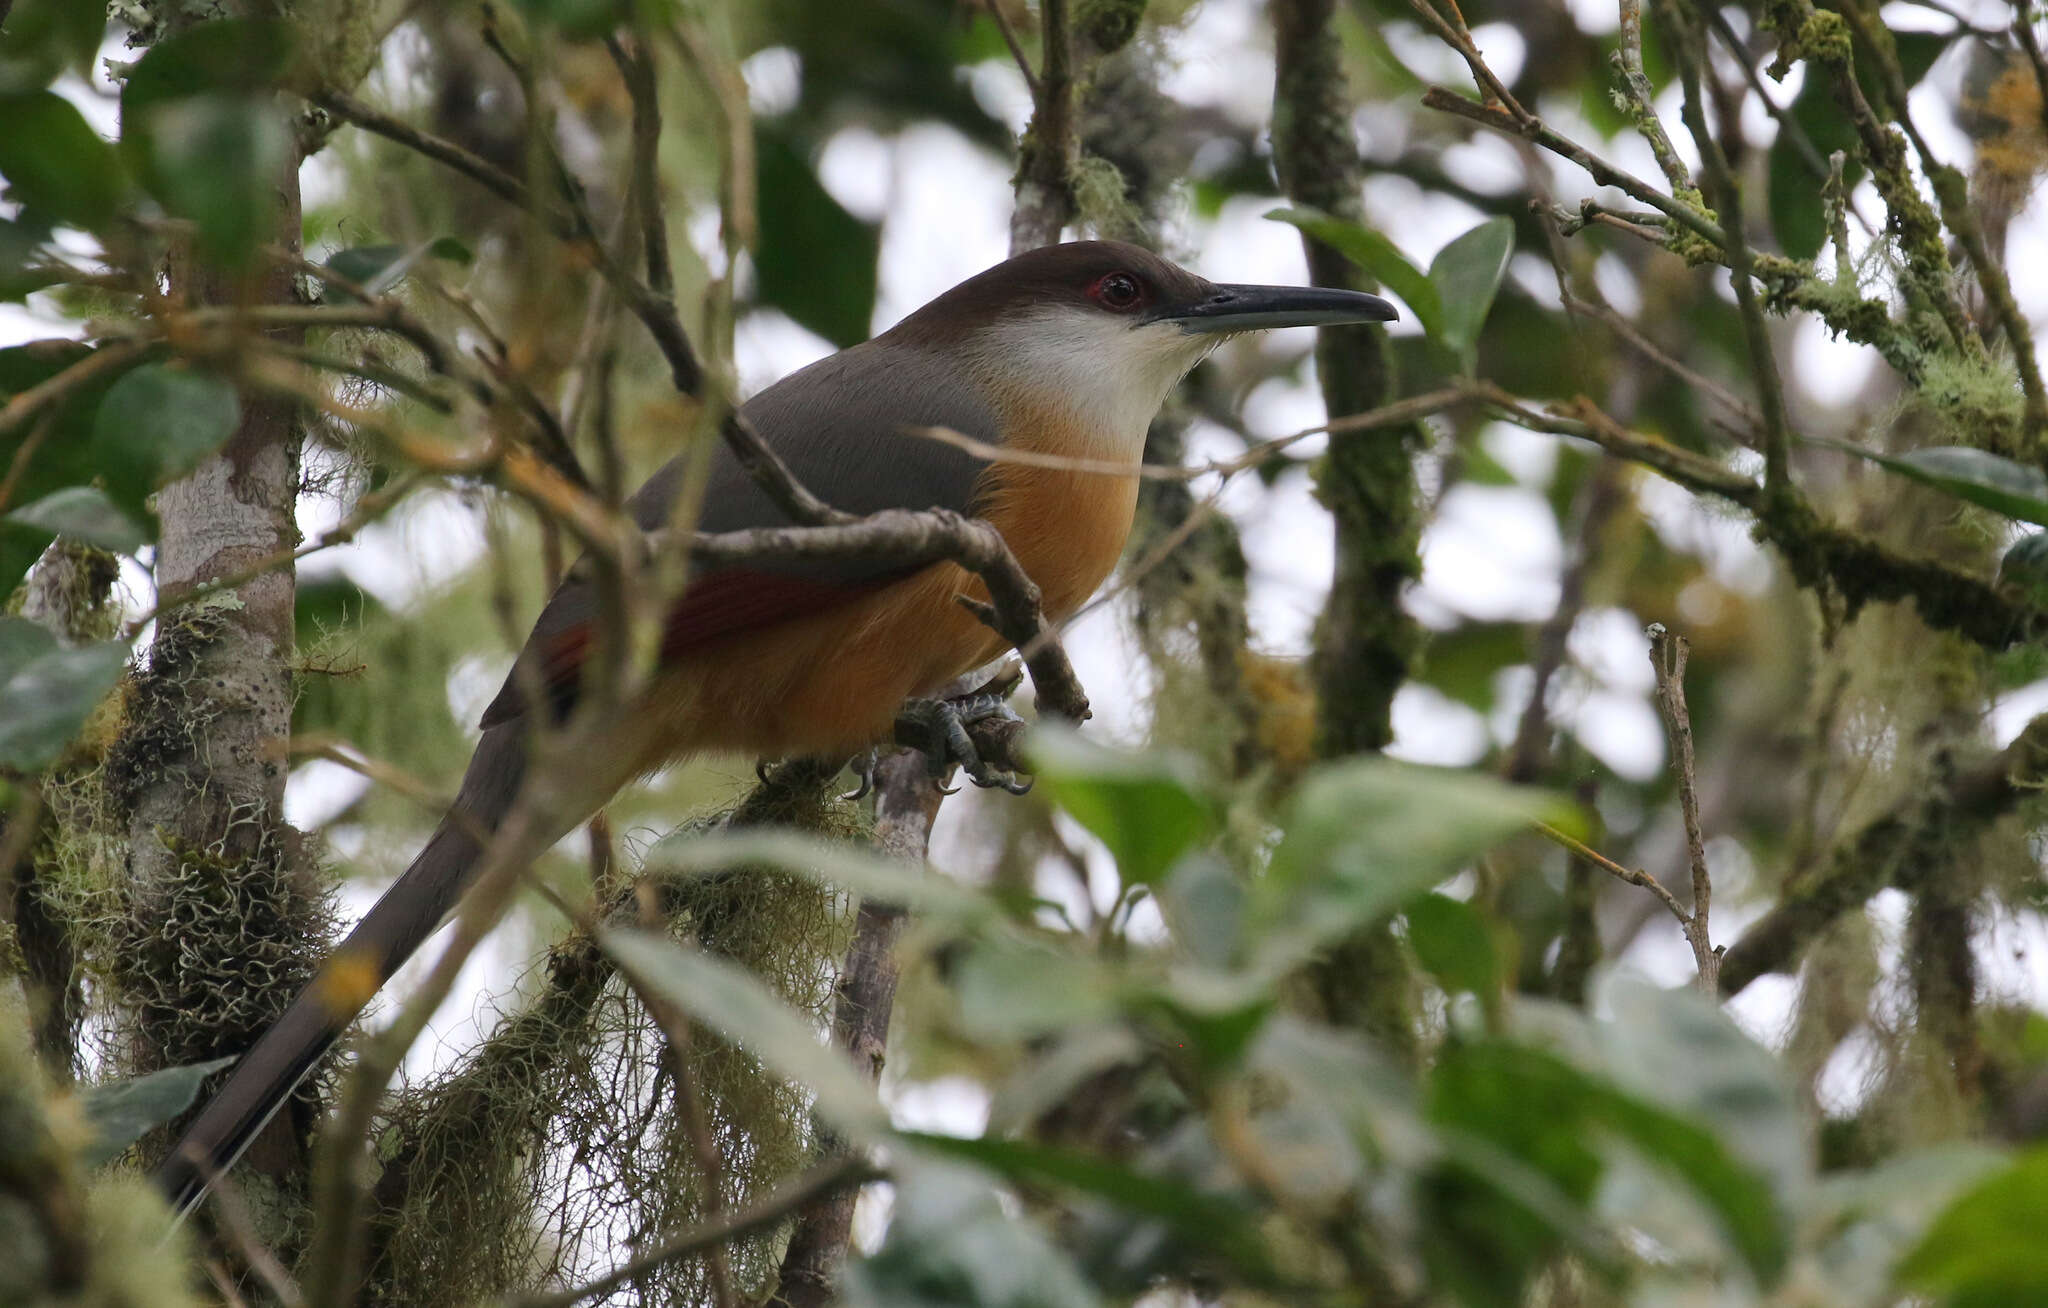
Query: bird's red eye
x,y
1119,290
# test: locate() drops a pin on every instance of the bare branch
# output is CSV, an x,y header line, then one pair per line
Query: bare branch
x,y
1459,37
1628,61
1045,187
907,800
1603,172
1885,850
1756,333
1397,414
1667,658
825,1179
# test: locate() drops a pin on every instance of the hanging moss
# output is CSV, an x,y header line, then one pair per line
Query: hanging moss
x,y
558,1141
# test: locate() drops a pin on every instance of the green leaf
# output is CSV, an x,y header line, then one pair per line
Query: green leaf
x,y
1740,1199
1678,1049
452,250
1144,807
735,1004
951,1244
1797,214
1056,1067
121,1111
1540,1109
86,515
1209,1218
202,129
238,55
158,423
1464,661
42,37
579,20
814,260
829,862
1367,835
1977,476
1518,1186
218,160
1872,1217
20,240
1467,275
2025,565
1219,1012
1452,941
1203,904
1987,1248
1009,986
378,268
1378,256
54,164
46,693
63,457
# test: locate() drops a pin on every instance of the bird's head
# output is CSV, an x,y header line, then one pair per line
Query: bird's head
x,y
1105,329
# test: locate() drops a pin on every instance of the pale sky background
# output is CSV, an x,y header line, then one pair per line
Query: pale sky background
x,y
1492,552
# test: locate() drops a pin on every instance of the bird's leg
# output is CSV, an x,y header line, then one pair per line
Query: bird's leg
x,y
938,727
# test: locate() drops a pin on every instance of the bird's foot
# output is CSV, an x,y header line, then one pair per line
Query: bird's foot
x,y
863,765
938,727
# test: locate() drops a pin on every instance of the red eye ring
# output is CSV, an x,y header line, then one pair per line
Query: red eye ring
x,y
1118,290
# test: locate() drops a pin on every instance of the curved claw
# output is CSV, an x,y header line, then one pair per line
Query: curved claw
x,y
761,768
941,732
993,780
864,769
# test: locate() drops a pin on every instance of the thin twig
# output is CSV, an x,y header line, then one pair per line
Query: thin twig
x,y
49,391
1635,877
1603,172
1667,656
1459,38
1952,192
1886,850
241,1229
1748,425
368,509
711,1168
821,1180
1635,84
1727,200
637,68
1002,22
1398,414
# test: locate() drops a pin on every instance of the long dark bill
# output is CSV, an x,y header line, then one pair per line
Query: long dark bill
x,y
1234,308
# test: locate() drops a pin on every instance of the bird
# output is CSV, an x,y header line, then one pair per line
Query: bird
x,y
1065,350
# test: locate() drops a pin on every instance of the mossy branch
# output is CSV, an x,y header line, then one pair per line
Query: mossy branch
x,y
1887,849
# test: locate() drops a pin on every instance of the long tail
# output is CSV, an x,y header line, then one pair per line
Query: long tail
x,y
397,925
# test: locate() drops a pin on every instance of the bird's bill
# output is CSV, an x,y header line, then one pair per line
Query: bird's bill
x,y
1255,308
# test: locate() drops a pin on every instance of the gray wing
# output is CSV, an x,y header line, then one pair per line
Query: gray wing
x,y
839,425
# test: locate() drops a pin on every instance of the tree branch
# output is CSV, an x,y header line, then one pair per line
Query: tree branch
x,y
1885,850
825,1179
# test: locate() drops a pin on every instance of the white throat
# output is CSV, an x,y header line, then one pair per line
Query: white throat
x,y
1109,375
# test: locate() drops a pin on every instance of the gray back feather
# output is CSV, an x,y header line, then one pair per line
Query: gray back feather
x,y
839,425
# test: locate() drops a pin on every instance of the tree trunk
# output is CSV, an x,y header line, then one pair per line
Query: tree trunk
x,y
1365,641
226,915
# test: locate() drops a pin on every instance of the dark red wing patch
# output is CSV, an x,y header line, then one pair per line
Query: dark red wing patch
x,y
734,601
723,604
